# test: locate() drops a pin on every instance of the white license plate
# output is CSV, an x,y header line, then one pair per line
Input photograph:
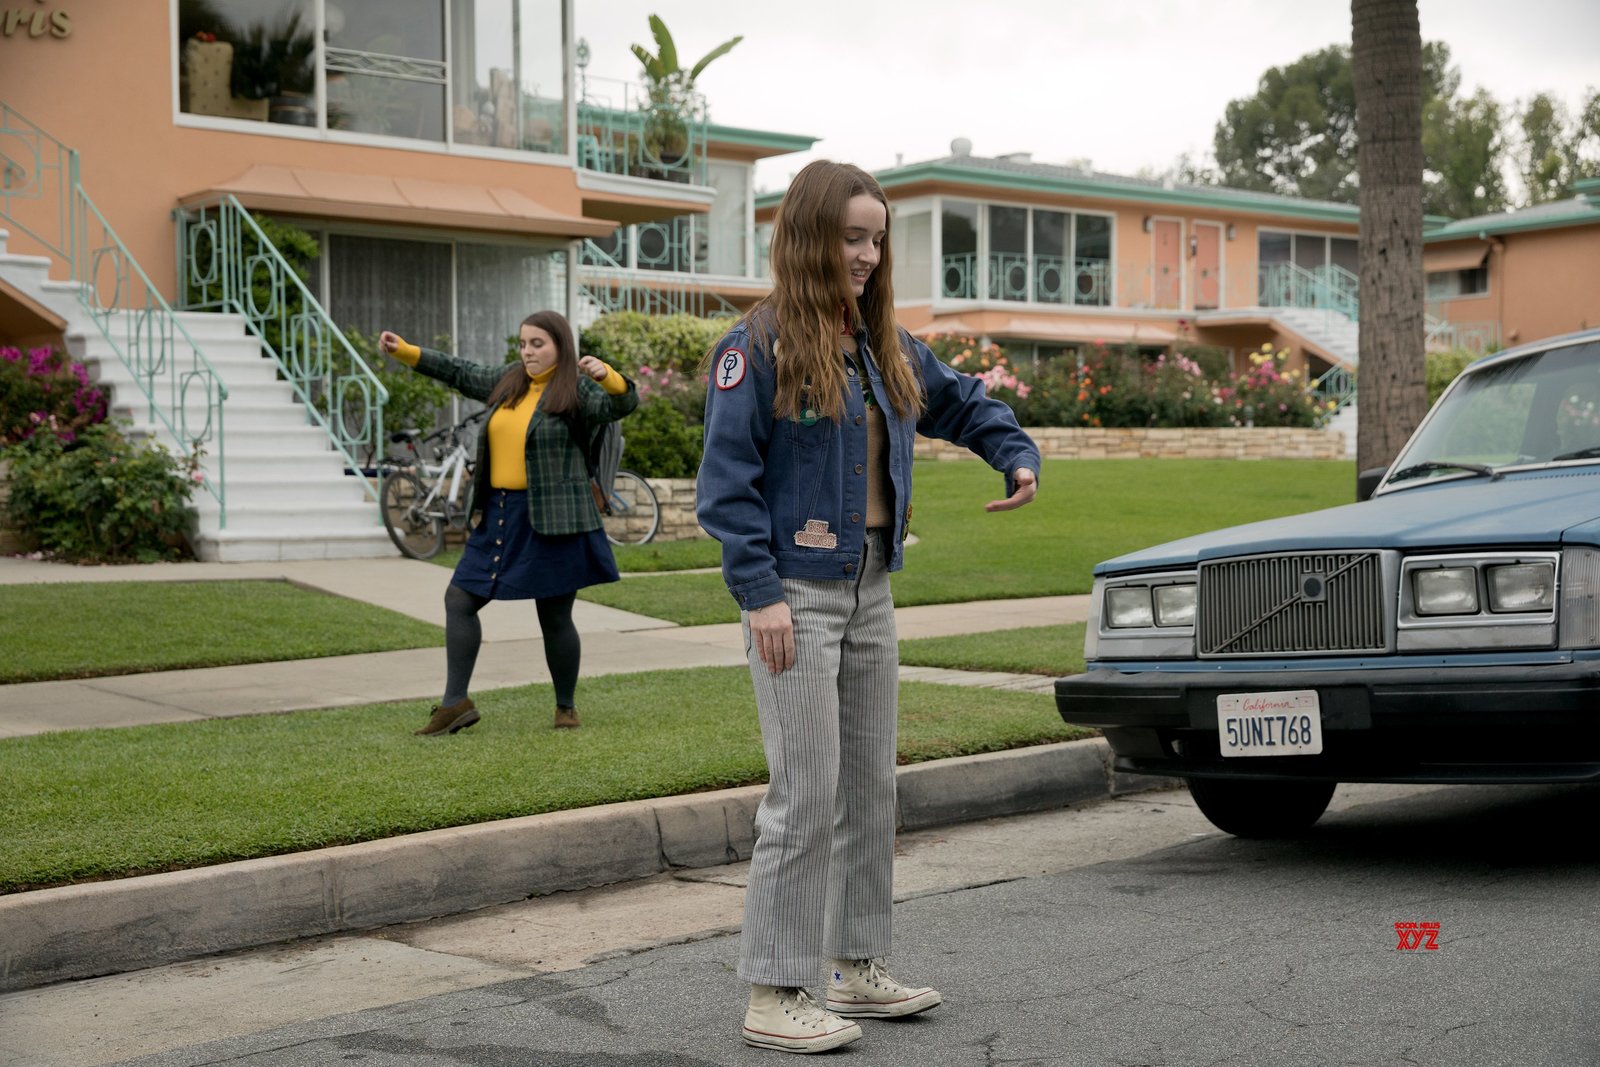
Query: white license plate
x,y
1270,724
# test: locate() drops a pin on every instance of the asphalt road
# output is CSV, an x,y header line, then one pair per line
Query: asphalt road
x,y
1126,933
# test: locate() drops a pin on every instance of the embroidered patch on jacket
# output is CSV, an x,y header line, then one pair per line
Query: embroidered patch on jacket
x,y
729,371
816,535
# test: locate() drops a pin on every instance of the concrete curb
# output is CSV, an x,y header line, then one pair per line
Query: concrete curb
x,y
79,931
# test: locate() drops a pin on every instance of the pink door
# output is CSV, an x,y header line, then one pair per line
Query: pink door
x,y
1207,244
1168,264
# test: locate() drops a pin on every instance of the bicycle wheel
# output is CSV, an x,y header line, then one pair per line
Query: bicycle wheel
x,y
635,512
414,532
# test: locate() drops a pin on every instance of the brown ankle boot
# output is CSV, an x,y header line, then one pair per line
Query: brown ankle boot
x,y
447,720
566,718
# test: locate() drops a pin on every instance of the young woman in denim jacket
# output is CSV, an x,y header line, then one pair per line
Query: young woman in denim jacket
x,y
815,399
540,537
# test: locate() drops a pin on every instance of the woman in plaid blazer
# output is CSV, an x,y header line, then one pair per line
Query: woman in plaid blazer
x,y
540,537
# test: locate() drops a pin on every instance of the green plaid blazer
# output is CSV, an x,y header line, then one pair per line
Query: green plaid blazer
x,y
559,501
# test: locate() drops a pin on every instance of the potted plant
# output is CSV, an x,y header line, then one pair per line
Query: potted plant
x,y
671,92
276,63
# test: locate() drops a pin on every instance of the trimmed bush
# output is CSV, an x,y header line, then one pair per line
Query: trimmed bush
x,y
101,498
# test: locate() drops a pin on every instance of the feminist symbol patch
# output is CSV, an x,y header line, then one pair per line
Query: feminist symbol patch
x,y
730,369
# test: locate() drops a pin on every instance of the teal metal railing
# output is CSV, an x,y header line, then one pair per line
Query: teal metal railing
x,y
226,263
1440,333
41,195
1329,287
611,286
1041,279
621,130
1333,391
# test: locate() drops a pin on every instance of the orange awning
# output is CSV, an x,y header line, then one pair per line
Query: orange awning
x,y
1456,257
410,201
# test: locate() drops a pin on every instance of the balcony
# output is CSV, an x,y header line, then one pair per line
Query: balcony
x,y
622,131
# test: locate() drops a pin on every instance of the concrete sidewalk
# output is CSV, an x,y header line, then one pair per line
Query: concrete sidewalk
x,y
614,642
104,927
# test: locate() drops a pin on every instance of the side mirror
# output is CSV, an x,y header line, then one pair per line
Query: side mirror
x,y
1367,481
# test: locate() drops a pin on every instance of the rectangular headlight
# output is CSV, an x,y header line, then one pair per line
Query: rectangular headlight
x,y
1128,606
1445,591
1522,587
1174,605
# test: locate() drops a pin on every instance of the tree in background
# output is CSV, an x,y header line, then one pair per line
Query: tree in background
x,y
1463,150
1556,148
1387,64
1296,136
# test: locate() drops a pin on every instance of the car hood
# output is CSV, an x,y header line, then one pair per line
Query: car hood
x,y
1541,507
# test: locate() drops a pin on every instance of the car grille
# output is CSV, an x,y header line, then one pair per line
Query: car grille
x,y
1305,602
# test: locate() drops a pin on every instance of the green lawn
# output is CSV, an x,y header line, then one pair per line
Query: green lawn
x,y
1056,651
1086,511
87,629
105,803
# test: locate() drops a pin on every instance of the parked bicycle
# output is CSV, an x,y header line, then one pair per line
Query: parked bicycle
x,y
633,515
419,498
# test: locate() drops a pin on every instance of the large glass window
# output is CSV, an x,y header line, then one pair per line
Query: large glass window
x,y
1306,269
465,295
725,225
1008,253
912,237
1449,284
384,284
1091,260
481,72
1051,273
958,233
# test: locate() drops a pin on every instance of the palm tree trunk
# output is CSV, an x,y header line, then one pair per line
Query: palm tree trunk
x,y
1386,60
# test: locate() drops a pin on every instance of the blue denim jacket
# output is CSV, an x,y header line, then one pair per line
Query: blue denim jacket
x,y
789,500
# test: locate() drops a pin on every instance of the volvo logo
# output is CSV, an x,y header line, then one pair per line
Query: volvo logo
x,y
1313,587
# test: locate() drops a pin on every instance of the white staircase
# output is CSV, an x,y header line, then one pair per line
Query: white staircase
x,y
1337,336
1344,421
286,491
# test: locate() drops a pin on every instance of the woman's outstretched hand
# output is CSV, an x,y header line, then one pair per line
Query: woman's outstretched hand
x,y
389,342
593,368
1027,486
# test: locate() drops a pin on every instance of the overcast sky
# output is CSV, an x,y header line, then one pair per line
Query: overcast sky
x,y
1125,84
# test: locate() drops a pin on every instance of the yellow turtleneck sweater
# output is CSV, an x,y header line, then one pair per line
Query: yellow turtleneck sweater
x,y
508,426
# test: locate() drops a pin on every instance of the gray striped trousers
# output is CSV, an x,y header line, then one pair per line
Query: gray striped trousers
x,y
822,872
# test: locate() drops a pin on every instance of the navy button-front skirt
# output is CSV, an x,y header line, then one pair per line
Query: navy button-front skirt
x,y
506,559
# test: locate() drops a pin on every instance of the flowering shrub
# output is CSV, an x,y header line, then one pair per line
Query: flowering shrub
x,y
1120,387
663,438
1268,395
101,498
41,389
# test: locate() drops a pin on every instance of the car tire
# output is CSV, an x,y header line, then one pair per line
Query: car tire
x,y
1250,808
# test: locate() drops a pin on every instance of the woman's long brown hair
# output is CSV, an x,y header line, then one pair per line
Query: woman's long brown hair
x,y
561,391
810,286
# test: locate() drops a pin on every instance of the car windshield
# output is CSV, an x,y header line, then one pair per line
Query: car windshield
x,y
1542,409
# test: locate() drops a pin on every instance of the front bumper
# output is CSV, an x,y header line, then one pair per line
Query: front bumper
x,y
1502,722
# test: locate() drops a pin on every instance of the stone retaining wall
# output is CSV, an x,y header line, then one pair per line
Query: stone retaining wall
x,y
676,496
1066,442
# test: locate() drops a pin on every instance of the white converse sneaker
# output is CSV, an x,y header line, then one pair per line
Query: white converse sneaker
x,y
787,1019
862,988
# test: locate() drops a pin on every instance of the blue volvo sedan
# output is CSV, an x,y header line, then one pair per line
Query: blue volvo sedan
x,y
1446,628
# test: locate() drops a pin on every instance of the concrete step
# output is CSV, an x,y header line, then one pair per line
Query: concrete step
x,y
338,488
239,544
336,519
